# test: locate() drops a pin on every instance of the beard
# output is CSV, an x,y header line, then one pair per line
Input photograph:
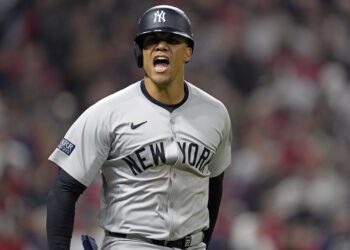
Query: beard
x,y
160,81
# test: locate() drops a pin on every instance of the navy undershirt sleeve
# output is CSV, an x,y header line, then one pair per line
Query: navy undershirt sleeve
x,y
61,210
215,194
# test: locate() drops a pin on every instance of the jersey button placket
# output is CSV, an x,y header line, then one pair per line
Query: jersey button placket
x,y
172,124
173,177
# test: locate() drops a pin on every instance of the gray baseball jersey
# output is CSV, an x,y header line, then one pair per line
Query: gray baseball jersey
x,y
155,164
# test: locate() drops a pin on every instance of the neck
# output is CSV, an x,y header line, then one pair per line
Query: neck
x,y
171,93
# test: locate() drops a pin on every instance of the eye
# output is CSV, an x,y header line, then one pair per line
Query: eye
x,y
173,40
149,41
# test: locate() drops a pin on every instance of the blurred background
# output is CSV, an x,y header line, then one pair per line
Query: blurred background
x,y
280,67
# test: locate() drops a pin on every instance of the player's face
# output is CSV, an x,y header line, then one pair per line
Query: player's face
x,y
164,57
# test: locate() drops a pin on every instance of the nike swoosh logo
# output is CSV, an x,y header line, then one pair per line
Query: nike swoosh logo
x,y
135,126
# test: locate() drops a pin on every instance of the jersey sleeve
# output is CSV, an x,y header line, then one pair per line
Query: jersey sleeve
x,y
85,147
222,158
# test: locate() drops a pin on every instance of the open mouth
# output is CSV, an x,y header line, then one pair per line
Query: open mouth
x,y
161,63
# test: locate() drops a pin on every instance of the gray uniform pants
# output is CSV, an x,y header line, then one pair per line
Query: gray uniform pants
x,y
115,243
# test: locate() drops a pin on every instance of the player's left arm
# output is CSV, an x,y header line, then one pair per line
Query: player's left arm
x,y
215,194
217,166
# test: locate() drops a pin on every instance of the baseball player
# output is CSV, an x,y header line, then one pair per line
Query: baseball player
x,y
160,145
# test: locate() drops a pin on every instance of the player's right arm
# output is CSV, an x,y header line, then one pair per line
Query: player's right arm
x,y
61,210
80,155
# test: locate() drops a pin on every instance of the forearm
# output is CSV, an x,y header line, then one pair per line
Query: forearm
x,y
215,194
61,210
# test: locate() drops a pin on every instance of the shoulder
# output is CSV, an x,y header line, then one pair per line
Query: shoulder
x,y
126,94
103,111
206,100
118,100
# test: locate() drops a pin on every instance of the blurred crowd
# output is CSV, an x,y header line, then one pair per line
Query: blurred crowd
x,y
280,66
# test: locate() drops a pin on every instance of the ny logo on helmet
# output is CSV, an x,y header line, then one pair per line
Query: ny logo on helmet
x,y
159,16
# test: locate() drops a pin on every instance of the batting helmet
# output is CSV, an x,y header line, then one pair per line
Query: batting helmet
x,y
162,18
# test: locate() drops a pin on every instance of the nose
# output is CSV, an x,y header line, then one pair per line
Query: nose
x,y
162,45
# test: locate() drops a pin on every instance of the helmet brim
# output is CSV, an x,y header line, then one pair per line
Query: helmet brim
x,y
139,38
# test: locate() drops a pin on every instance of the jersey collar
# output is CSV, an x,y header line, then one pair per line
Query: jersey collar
x,y
169,107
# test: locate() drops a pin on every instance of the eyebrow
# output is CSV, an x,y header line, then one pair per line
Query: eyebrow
x,y
163,35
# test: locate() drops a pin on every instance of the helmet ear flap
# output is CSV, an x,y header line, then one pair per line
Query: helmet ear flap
x,y
138,54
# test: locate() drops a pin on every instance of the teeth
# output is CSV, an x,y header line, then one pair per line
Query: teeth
x,y
161,58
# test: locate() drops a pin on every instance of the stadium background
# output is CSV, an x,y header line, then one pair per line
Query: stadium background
x,y
281,68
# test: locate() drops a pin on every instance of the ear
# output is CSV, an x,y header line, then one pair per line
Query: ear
x,y
188,54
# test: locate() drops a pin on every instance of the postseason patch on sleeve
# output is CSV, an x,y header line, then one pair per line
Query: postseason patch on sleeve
x,y
66,146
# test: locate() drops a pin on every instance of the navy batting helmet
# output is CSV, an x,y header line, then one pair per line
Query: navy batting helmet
x,y
162,18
